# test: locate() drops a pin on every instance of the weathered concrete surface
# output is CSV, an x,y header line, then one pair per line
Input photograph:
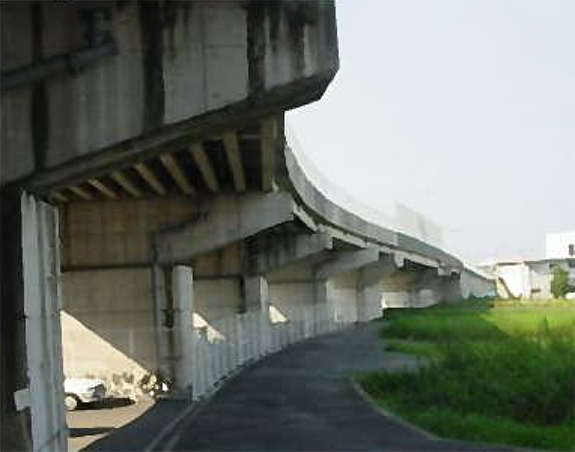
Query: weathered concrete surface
x,y
302,399
227,220
212,61
117,233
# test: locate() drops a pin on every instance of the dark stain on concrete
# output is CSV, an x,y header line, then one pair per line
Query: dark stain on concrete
x,y
39,117
176,14
256,47
153,51
296,26
15,431
273,11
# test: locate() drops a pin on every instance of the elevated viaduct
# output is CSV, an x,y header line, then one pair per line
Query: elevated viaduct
x,y
149,196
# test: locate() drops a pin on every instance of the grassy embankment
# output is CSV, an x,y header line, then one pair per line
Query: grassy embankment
x,y
500,372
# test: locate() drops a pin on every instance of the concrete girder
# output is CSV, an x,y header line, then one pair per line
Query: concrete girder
x,y
124,181
232,149
150,178
347,261
401,256
199,154
104,189
178,175
289,251
345,237
229,219
305,218
59,197
269,143
81,193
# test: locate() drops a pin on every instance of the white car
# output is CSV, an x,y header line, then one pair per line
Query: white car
x,y
83,390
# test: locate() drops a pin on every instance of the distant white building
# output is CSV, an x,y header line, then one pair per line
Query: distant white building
x,y
561,245
532,278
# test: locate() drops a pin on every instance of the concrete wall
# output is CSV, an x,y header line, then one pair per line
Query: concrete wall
x,y
100,233
560,245
516,278
108,328
217,298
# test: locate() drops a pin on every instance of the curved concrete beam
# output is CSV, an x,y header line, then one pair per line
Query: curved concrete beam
x,y
322,210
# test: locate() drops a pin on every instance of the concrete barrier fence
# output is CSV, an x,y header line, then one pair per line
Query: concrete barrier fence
x,y
199,357
235,341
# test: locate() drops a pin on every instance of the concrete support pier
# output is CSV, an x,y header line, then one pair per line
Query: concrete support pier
x,y
183,299
15,420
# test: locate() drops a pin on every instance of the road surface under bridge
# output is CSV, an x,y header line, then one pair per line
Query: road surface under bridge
x,y
303,399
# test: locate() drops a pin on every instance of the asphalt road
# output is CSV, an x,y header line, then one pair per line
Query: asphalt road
x,y
302,399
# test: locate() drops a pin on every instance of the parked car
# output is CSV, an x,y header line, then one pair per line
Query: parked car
x,y
83,390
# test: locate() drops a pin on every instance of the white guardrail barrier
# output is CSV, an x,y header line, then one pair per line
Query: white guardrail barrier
x,y
229,343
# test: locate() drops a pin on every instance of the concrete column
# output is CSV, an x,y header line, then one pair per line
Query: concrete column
x,y
369,291
450,289
366,298
320,302
15,421
31,379
163,354
257,299
183,308
42,305
320,291
256,293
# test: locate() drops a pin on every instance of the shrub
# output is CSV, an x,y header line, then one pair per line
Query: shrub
x,y
560,283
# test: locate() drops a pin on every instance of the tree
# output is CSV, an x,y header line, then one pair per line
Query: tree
x,y
560,283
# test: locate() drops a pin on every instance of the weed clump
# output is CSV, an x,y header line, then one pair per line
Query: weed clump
x,y
499,375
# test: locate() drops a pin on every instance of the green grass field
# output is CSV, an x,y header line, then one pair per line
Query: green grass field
x,y
501,372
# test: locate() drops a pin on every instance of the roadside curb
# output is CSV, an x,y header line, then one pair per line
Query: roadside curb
x,y
428,435
389,415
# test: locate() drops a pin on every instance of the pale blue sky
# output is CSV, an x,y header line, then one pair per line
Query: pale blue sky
x,y
461,109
